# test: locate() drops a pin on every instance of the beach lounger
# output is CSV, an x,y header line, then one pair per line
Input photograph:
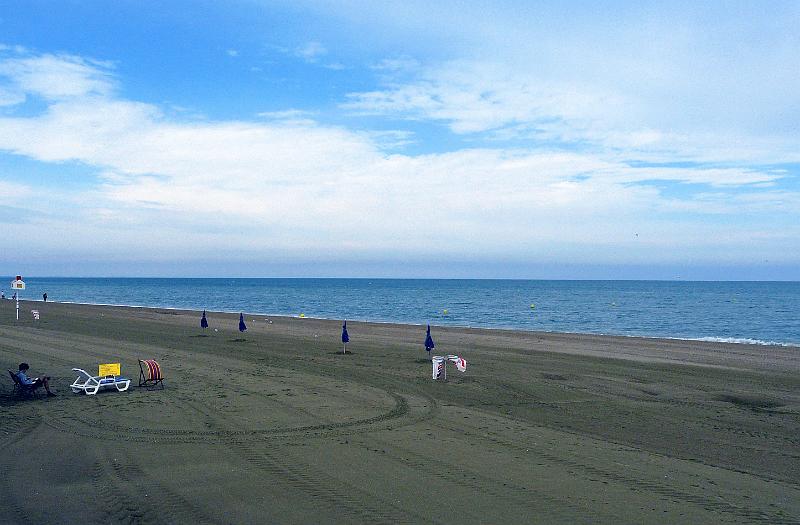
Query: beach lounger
x,y
150,373
91,384
19,388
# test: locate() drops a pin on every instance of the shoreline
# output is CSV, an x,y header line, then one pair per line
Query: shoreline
x,y
666,350
218,278
722,340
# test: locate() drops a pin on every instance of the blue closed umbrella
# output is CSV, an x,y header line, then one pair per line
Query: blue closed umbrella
x,y
345,337
242,326
204,321
429,340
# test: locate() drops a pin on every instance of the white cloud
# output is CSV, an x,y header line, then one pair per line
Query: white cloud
x,y
57,77
719,177
294,187
290,116
11,97
517,104
12,191
397,64
476,97
311,51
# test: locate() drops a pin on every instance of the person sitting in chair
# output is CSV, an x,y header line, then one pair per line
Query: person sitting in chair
x,y
33,383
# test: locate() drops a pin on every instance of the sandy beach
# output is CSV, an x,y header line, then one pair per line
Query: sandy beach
x,y
277,426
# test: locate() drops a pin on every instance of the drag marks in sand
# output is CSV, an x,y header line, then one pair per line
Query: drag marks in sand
x,y
11,502
339,498
456,475
132,496
348,502
107,419
581,465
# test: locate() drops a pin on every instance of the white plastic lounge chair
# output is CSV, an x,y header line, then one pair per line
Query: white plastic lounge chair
x,y
91,384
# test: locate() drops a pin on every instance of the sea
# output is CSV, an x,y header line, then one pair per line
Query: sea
x,y
766,313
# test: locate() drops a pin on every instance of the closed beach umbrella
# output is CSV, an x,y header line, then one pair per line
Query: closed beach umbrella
x,y
242,326
204,321
345,336
429,340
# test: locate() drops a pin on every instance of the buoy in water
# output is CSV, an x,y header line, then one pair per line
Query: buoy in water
x,y
444,311
533,306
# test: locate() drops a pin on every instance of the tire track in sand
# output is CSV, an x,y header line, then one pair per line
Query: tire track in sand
x,y
341,497
13,505
95,426
709,504
548,508
135,497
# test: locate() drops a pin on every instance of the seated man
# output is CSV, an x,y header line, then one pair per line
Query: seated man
x,y
33,383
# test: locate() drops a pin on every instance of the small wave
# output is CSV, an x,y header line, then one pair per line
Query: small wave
x,y
743,341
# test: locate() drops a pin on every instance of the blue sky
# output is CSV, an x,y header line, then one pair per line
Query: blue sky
x,y
400,139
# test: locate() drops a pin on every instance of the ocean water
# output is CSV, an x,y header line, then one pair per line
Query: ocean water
x,y
745,312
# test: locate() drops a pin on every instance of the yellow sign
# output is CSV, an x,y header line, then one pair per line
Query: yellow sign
x,y
110,369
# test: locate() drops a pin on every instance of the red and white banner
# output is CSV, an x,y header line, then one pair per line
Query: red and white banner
x,y
439,362
438,366
460,362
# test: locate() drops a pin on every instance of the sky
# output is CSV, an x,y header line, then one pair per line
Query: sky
x,y
496,139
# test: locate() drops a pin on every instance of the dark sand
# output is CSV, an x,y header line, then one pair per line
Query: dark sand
x,y
274,426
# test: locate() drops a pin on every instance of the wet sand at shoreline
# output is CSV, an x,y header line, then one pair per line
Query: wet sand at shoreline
x,y
277,426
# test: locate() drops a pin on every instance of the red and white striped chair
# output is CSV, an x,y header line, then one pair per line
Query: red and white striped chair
x,y
150,373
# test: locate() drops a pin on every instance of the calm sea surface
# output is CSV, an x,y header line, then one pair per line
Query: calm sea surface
x,y
747,312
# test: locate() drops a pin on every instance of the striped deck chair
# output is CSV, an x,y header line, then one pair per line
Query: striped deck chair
x,y
150,373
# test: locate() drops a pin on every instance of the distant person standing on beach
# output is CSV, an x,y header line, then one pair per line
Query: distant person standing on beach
x,y
44,296
3,294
